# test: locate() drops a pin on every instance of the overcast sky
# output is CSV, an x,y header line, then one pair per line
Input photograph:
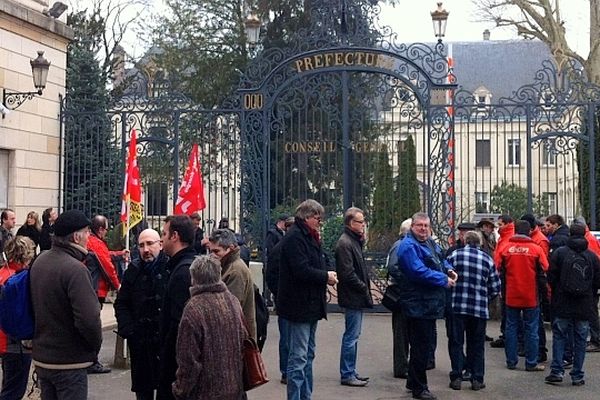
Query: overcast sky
x,y
412,21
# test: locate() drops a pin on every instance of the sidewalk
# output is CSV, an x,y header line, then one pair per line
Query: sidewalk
x,y
375,360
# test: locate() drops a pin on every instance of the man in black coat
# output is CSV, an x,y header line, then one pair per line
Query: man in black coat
x,y
178,238
137,310
354,291
557,231
574,277
303,279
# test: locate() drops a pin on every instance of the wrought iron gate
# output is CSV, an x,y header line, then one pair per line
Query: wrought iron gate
x,y
347,115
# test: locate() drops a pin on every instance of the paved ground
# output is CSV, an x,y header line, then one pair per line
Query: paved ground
x,y
375,360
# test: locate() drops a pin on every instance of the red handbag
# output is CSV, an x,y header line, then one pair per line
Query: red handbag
x,y
255,373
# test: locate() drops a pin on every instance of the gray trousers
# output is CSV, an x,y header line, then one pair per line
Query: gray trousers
x,y
68,384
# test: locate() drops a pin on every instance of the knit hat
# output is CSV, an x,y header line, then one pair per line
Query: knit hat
x,y
283,217
69,222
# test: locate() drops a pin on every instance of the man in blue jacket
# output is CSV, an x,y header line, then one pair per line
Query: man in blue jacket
x,y
426,274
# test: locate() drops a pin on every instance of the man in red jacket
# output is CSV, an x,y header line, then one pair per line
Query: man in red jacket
x,y
105,278
523,265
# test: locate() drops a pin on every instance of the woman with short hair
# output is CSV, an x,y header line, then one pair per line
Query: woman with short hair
x,y
210,338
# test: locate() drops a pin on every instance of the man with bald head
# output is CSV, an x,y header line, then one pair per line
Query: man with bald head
x,y
137,311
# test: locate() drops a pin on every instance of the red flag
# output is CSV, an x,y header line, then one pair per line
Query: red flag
x,y
131,207
191,193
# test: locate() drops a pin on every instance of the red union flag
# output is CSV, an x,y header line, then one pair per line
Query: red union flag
x,y
131,208
191,193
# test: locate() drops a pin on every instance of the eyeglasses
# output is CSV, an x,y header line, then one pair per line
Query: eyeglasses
x,y
147,244
359,221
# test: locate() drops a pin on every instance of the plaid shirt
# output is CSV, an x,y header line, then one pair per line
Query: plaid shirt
x,y
477,282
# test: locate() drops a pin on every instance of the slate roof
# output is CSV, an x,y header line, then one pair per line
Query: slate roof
x,y
502,66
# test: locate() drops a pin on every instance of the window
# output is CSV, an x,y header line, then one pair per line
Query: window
x,y
551,201
3,178
481,202
157,195
482,153
514,152
548,154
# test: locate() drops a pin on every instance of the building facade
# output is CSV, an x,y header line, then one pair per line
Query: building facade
x,y
30,145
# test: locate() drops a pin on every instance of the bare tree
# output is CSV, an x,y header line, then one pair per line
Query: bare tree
x,y
116,19
541,19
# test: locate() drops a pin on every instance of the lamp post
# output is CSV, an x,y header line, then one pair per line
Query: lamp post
x,y
252,26
39,72
439,18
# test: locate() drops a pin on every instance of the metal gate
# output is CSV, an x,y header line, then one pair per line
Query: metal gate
x,y
347,115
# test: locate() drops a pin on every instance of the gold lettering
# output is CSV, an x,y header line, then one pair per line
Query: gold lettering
x,y
302,147
318,147
309,147
299,65
287,147
308,63
318,60
359,57
348,59
370,59
328,58
339,58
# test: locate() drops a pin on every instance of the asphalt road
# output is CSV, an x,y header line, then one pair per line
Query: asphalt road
x,y
375,360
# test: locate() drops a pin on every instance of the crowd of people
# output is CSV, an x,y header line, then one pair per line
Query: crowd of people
x,y
180,287
540,271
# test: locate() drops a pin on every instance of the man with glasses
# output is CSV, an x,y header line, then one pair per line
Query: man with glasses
x,y
303,280
424,276
354,291
234,273
137,309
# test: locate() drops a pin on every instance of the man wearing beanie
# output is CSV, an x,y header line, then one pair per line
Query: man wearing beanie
x,y
68,330
574,276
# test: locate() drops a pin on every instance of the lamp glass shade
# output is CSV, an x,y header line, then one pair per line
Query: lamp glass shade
x,y
439,18
39,71
252,25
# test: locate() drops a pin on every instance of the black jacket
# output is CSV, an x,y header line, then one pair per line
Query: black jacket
x,y
176,295
354,285
563,304
559,238
31,232
137,310
302,277
272,271
274,235
46,237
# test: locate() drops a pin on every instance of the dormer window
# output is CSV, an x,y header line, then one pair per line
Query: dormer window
x,y
483,98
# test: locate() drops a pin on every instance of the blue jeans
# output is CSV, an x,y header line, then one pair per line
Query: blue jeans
x,y
63,384
531,318
349,352
474,329
284,346
300,359
561,329
15,374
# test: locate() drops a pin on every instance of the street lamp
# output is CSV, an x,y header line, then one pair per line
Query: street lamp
x,y
252,25
39,71
439,18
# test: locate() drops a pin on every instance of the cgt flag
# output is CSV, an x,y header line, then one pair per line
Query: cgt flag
x,y
131,208
191,193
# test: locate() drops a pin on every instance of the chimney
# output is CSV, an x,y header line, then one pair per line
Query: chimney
x,y
486,34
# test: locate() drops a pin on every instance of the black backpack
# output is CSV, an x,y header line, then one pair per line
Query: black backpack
x,y
576,276
262,318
